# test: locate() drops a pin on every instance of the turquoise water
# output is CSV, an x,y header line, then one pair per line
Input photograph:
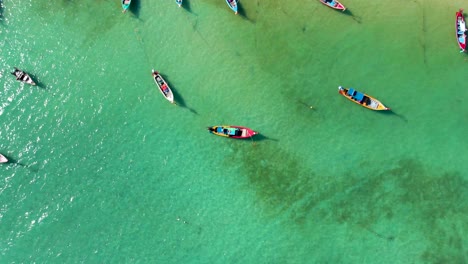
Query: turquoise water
x,y
106,170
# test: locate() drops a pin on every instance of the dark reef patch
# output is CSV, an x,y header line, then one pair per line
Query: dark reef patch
x,y
427,203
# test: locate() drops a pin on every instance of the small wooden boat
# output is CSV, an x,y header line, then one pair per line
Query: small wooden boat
x,y
333,4
3,159
233,5
461,30
362,99
22,76
163,86
125,5
232,131
179,2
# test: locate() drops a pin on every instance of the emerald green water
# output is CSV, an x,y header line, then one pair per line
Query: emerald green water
x,y
108,171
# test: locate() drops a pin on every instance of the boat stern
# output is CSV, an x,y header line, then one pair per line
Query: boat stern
x,y
341,90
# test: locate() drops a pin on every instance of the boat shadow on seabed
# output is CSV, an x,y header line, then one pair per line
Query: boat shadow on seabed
x,y
135,8
1,11
186,6
38,83
178,99
355,18
241,13
261,137
393,113
16,162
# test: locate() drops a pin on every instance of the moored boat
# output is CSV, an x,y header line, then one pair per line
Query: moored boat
x,y
461,31
179,2
163,86
3,159
22,76
232,131
333,4
233,5
362,99
125,5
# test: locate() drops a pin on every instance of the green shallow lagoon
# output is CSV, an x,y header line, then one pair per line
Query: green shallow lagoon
x,y
110,172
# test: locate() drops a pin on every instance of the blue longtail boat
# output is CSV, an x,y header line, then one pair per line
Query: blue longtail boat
x,y
233,5
125,5
362,99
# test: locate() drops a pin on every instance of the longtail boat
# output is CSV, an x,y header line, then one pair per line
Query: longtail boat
x,y
125,5
22,76
362,99
163,86
233,5
334,4
3,159
461,31
232,131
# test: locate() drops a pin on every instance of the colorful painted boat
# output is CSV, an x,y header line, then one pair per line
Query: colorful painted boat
x,y
3,159
125,5
461,31
179,2
22,76
333,4
233,5
232,131
362,99
163,86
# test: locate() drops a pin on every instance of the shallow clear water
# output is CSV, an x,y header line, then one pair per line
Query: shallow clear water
x,y
108,170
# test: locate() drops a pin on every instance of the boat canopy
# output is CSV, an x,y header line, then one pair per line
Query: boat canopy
x,y
231,131
355,94
462,26
359,96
